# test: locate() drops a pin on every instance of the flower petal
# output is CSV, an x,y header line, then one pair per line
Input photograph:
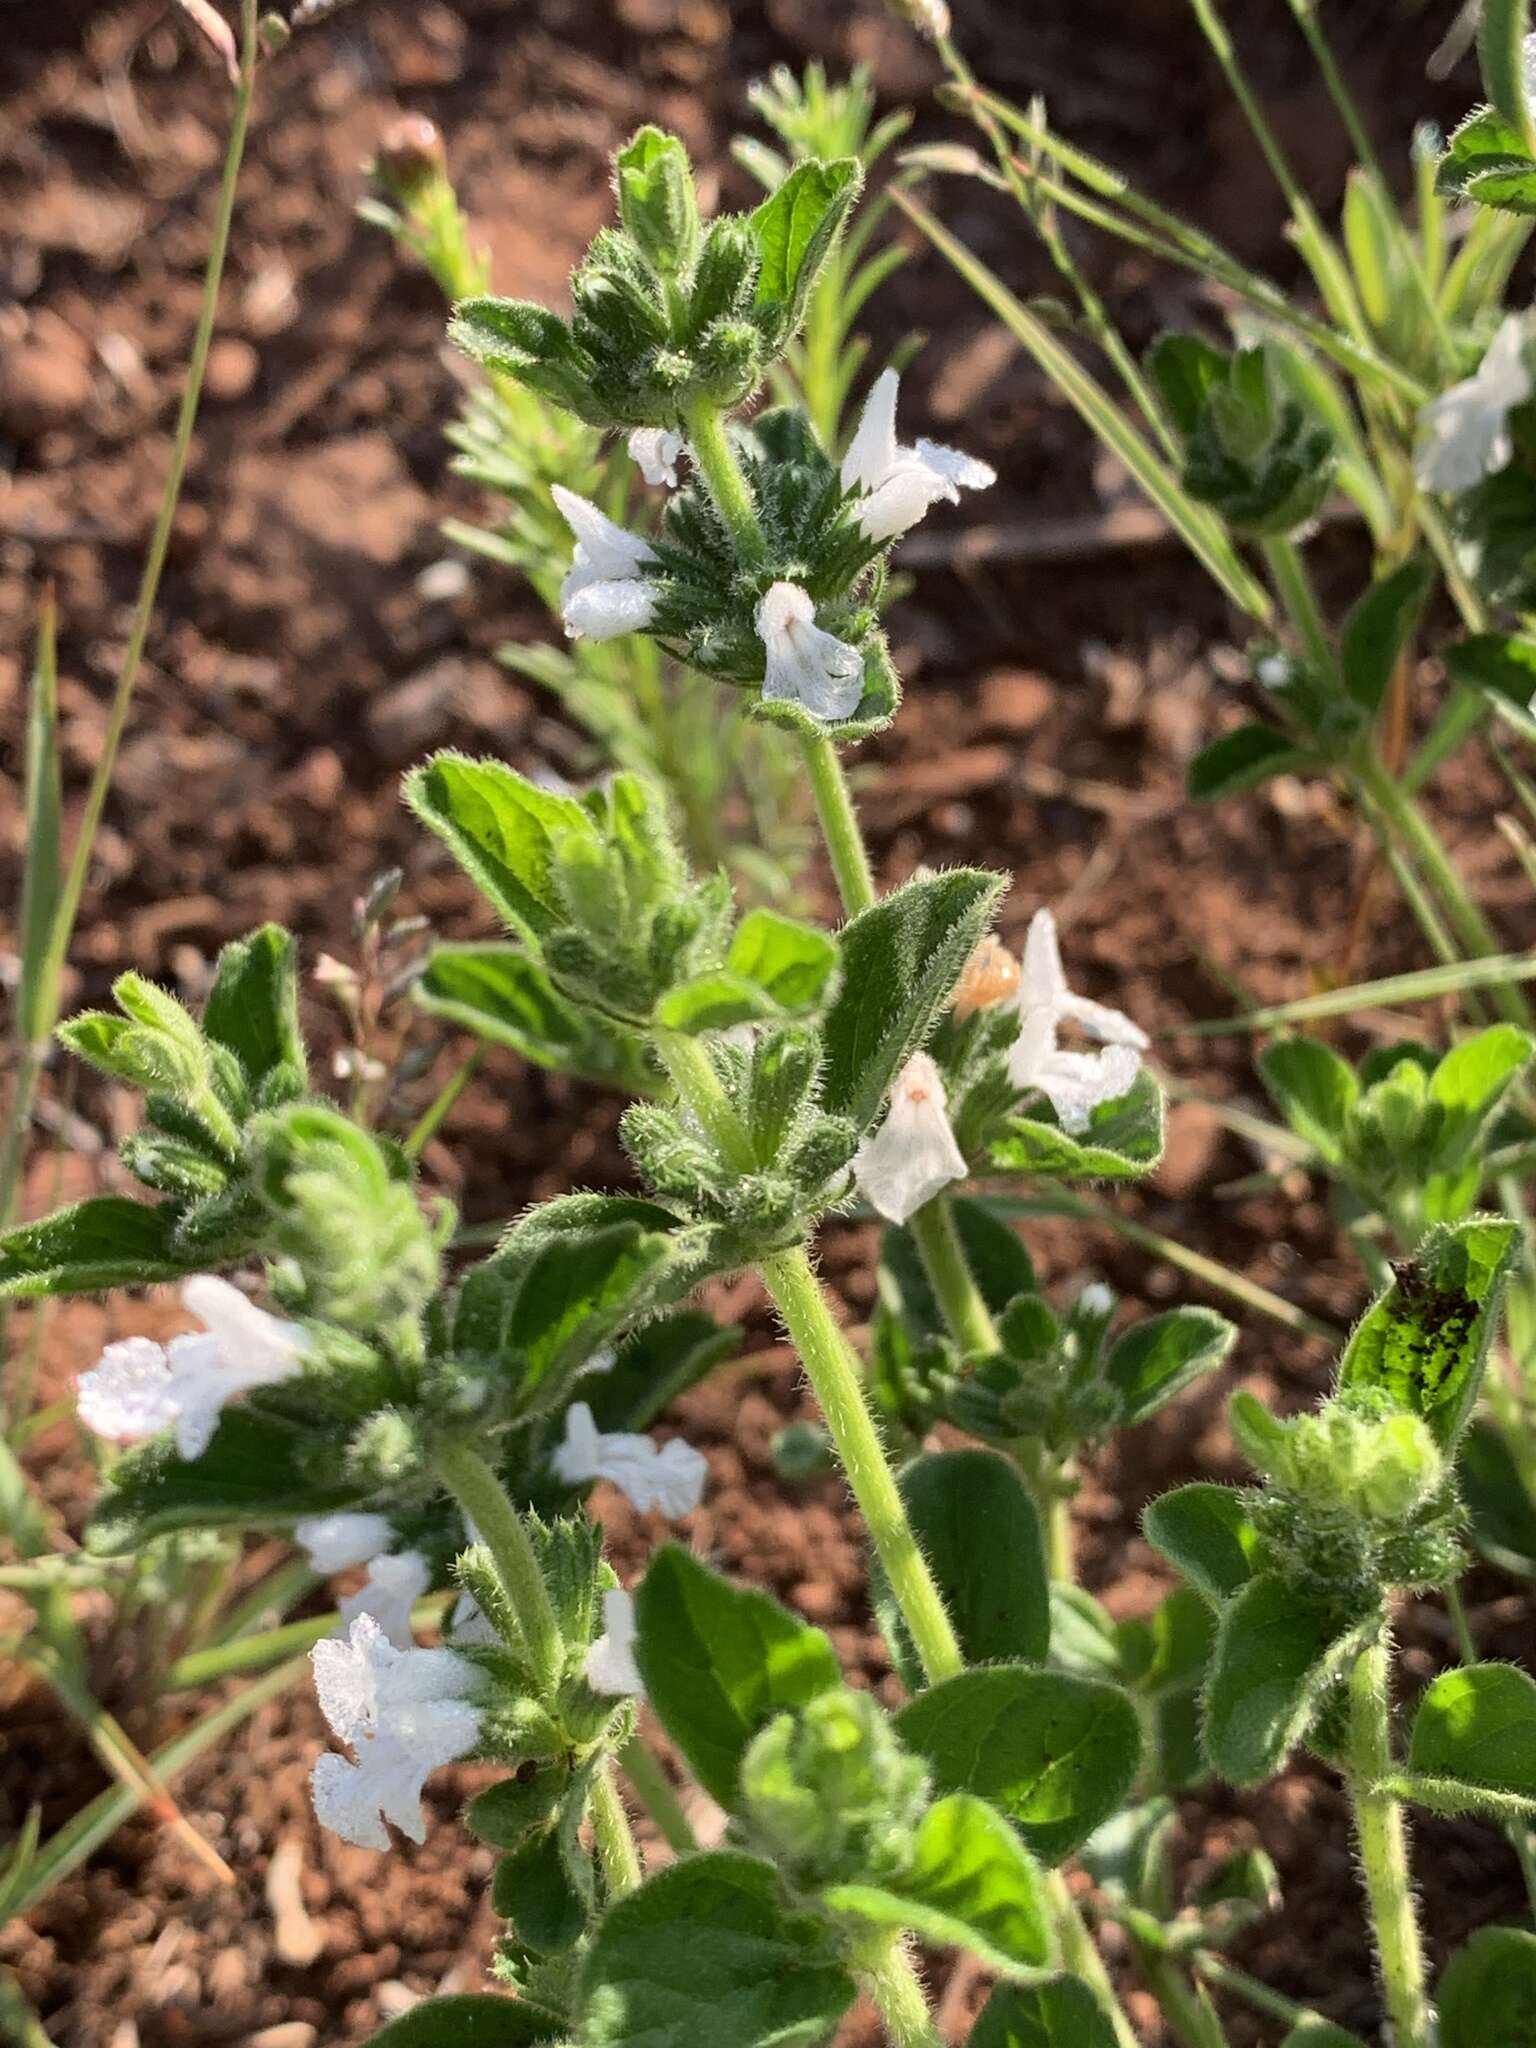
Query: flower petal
x,y
128,1392
656,451
335,1542
805,665
913,1156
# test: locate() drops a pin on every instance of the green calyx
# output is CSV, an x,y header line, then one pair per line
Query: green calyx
x,y
832,1792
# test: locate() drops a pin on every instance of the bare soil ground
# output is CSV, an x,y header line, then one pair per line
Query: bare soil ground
x,y
297,668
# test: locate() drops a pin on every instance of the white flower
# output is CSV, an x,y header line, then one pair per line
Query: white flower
x,y
656,450
394,1584
899,484
610,1666
805,665
334,1542
404,1712
670,1477
604,593
1465,431
913,1156
138,1387
1074,1082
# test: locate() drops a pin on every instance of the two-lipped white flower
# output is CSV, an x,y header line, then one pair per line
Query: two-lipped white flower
x,y
396,1579
404,1712
896,484
669,1476
1075,1083
1464,433
913,1156
610,1666
137,1387
604,593
656,450
804,664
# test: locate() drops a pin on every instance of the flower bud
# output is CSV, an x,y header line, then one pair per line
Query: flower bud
x,y
833,1790
410,156
991,977
929,17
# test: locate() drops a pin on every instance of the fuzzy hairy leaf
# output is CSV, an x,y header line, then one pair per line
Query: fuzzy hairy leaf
x,y
709,1950
795,228
1425,1341
503,830
471,2020
1476,1726
1124,1140
1379,628
971,1884
1160,1356
1486,1995
1241,760
718,1660
1061,2012
1205,1532
1274,1654
253,1006
502,994
89,1247
901,961
1313,1089
998,1593
1056,1754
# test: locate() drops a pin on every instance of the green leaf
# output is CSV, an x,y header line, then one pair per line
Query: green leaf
x,y
253,1006
1159,1357
1275,1653
1484,146
998,1592
89,1247
253,1474
1124,1140
1186,368
719,1660
1476,1727
1498,1500
504,832
901,961
794,230
971,1884
1313,2031
1378,630
579,1289
657,201
1205,1532
502,994
471,2020
1472,1079
791,962
655,1365
533,1890
709,1951
1486,1995
1056,1754
1501,665
1502,28
1424,1342
1241,760
1313,1089
1060,2013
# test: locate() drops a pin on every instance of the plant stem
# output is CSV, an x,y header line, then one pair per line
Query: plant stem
x,y
700,1087
1408,824
154,562
944,1261
655,1791
427,1124
1187,2009
503,1532
712,451
834,1374
1383,1839
1080,1954
893,1984
1272,2003
615,1843
1285,563
839,824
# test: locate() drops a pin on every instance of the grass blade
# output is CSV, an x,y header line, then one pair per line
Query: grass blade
x,y
1422,986
1201,534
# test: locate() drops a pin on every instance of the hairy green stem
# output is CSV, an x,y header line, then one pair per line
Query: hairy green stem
x,y
616,1849
938,1241
1383,1839
835,1376
502,1530
656,1793
1080,1953
712,451
1294,585
893,1984
839,824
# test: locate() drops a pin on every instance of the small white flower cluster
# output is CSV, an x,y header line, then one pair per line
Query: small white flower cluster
x,y
669,1478
606,592
396,1579
138,1387
1465,431
914,1155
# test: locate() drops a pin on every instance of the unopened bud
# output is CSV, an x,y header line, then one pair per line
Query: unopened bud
x,y
929,17
410,155
991,976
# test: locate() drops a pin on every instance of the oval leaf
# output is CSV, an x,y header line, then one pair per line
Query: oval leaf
x,y
1274,1655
